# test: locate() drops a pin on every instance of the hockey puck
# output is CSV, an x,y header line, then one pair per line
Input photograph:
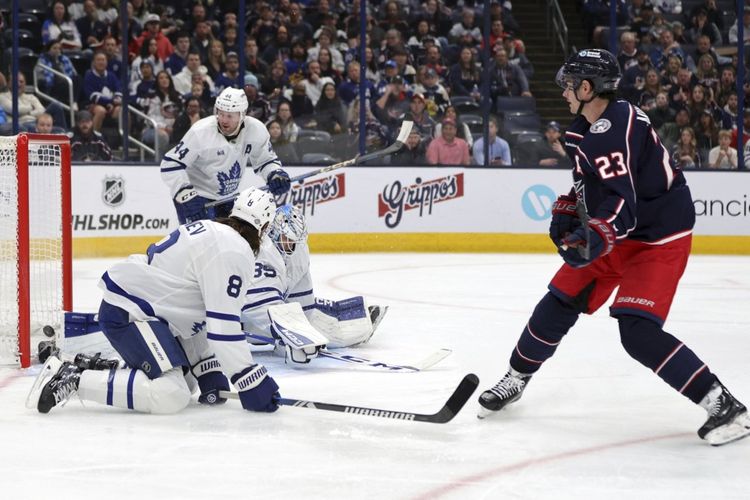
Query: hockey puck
x,y
48,331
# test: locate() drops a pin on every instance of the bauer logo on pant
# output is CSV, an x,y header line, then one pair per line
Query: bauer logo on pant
x,y
113,191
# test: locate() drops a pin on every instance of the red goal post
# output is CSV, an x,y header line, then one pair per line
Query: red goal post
x,y
35,241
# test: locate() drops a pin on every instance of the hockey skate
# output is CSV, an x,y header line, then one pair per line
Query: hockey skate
x,y
505,392
47,348
95,362
54,386
728,419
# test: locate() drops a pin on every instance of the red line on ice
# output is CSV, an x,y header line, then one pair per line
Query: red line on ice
x,y
479,477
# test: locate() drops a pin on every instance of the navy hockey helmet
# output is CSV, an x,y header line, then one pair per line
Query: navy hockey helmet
x,y
598,66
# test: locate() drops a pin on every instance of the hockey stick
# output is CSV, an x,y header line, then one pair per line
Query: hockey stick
x,y
403,134
427,362
455,402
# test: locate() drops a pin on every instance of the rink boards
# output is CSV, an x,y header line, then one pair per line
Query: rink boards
x,y
120,209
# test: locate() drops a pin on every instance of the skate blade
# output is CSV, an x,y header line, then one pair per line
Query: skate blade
x,y
45,374
734,431
484,413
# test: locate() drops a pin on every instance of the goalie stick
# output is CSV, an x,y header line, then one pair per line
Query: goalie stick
x,y
425,363
455,402
393,148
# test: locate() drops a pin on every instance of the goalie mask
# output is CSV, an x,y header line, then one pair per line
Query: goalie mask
x,y
288,228
254,206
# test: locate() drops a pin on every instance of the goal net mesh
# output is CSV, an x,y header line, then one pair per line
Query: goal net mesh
x,y
45,254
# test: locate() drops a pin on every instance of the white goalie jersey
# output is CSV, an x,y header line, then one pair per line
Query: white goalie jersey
x,y
196,280
213,165
281,278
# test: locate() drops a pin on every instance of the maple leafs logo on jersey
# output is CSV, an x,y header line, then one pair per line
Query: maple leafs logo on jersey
x,y
228,182
198,327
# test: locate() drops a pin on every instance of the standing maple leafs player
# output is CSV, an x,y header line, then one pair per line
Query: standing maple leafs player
x,y
209,162
626,223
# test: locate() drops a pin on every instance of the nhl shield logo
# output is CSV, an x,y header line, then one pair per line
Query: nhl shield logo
x,y
113,192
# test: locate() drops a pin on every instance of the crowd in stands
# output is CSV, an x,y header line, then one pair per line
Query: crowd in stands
x,y
302,71
424,62
680,67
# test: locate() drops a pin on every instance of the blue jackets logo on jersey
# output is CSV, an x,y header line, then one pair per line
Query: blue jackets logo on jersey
x,y
600,126
228,182
113,192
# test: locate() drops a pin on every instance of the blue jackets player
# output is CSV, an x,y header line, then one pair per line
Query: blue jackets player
x,y
626,224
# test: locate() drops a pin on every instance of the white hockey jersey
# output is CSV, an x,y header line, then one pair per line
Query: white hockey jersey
x,y
214,165
278,278
196,280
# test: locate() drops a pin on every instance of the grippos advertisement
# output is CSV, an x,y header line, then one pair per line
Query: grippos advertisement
x,y
120,200
126,200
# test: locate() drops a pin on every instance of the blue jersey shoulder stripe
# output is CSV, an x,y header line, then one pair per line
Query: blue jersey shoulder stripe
x,y
223,316
261,302
301,294
275,160
115,288
264,289
225,338
181,165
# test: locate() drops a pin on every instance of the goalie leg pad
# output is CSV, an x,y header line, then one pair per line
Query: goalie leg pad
x,y
83,334
345,322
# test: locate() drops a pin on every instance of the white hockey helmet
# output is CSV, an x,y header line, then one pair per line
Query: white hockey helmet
x,y
254,206
231,100
290,223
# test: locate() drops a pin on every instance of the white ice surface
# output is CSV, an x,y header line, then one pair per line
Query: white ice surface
x,y
593,424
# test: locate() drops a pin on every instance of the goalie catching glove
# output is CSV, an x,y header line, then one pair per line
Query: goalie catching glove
x,y
257,390
601,241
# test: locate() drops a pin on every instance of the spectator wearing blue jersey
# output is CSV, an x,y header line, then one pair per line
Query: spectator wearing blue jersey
x,y
178,59
101,90
52,84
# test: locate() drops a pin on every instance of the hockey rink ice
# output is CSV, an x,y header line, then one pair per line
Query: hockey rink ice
x,y
592,424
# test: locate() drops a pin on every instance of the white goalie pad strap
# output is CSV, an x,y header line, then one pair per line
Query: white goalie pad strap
x,y
345,322
290,324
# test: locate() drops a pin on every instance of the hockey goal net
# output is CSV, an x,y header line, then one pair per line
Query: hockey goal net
x,y
35,241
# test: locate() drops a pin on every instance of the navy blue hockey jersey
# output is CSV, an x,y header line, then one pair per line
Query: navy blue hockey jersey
x,y
623,174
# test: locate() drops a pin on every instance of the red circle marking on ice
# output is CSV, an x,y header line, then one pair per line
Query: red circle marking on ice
x,y
476,478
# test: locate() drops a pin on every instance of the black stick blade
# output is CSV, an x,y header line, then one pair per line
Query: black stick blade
x,y
455,403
